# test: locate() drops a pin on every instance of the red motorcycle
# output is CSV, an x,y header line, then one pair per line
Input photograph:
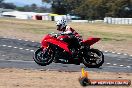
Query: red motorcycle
x,y
68,49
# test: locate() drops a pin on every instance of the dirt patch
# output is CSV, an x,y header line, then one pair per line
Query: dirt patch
x,y
18,78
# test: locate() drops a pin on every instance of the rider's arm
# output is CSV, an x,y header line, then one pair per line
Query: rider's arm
x,y
67,32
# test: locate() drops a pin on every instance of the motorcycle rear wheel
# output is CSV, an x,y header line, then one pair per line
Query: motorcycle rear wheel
x,y
43,58
96,55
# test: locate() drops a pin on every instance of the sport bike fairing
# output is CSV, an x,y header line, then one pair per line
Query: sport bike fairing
x,y
55,41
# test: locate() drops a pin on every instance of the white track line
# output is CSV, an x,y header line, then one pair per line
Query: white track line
x,y
4,45
108,63
15,47
121,65
26,40
115,67
16,60
128,66
19,39
114,52
4,37
20,48
114,64
32,50
118,53
27,49
9,46
128,60
125,54
105,51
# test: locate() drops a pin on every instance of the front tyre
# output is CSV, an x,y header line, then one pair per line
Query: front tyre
x,y
93,59
43,57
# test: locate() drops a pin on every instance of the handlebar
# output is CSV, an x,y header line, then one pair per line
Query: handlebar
x,y
59,34
55,34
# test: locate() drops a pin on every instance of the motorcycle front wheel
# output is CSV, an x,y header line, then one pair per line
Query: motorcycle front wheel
x,y
43,57
93,58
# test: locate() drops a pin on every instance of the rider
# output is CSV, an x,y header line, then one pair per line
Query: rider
x,y
64,29
62,26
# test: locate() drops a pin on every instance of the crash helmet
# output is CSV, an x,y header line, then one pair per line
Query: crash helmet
x,y
61,24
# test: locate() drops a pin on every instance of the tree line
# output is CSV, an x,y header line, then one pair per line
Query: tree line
x,y
33,8
29,8
86,9
93,9
6,5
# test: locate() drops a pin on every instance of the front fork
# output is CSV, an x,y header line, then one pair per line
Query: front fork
x,y
83,52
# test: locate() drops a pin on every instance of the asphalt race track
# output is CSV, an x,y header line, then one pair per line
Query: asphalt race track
x,y
18,53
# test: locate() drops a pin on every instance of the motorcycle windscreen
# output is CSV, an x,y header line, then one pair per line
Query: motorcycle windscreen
x,y
90,41
59,43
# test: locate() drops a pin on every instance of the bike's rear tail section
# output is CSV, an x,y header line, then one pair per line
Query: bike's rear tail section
x,y
90,41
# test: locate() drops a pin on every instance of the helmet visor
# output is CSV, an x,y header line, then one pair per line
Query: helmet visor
x,y
59,27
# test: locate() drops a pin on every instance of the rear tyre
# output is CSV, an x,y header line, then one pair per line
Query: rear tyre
x,y
43,57
93,59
